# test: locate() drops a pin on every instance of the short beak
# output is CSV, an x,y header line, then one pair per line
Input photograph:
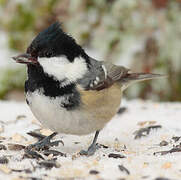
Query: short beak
x,y
25,59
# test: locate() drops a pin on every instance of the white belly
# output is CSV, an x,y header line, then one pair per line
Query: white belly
x,y
58,119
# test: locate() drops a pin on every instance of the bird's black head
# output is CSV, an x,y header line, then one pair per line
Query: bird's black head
x,y
56,54
52,42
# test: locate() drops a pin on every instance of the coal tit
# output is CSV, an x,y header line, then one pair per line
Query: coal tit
x,y
67,90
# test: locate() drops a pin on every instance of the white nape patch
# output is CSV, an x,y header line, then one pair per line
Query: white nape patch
x,y
61,68
105,71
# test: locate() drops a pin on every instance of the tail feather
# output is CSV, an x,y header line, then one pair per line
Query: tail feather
x,y
130,78
141,76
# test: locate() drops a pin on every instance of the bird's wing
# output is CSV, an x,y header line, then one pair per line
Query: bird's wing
x,y
103,74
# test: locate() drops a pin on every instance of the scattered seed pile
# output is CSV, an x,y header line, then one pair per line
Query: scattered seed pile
x,y
143,141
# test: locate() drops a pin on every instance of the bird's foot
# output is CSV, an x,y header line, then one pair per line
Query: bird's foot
x,y
44,143
91,150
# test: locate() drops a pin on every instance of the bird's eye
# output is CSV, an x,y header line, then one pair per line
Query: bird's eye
x,y
48,54
33,54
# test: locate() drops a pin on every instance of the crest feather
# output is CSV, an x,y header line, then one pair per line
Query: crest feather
x,y
53,33
55,40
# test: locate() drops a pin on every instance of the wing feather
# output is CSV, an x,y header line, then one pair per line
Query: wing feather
x,y
103,74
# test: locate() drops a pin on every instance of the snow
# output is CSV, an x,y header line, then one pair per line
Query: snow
x,y
16,120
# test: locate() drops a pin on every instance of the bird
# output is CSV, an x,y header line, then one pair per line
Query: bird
x,y
70,92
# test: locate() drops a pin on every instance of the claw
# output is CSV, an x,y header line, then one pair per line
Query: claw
x,y
36,135
44,143
32,154
91,150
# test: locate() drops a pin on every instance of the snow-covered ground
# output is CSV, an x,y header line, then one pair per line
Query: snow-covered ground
x,y
118,137
122,157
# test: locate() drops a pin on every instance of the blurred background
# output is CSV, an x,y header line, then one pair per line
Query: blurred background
x,y
144,35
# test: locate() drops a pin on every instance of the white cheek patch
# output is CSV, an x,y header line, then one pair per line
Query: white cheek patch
x,y
61,68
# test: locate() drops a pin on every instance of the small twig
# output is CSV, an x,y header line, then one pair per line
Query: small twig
x,y
4,160
123,169
145,131
32,154
162,178
112,155
176,138
103,146
48,164
16,147
22,170
54,152
121,110
173,150
93,172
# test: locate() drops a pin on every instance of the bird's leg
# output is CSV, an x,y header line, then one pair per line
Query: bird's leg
x,y
45,142
92,148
